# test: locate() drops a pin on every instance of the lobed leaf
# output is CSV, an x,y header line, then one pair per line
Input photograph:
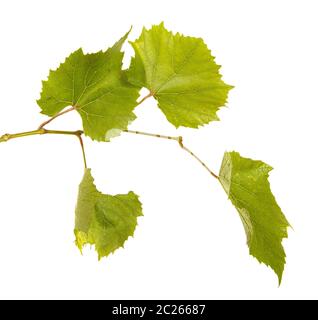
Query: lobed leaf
x,y
96,87
181,74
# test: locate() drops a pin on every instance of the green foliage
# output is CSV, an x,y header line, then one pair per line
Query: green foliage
x,y
181,74
95,85
246,183
103,220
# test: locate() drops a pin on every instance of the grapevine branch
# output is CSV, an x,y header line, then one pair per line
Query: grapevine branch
x,y
179,139
41,130
180,142
6,137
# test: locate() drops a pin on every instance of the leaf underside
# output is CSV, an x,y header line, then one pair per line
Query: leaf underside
x,y
181,74
96,86
104,220
246,183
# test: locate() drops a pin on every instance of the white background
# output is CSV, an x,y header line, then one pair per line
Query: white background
x,y
190,243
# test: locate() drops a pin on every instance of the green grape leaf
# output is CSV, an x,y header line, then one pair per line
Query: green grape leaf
x,y
104,220
95,85
181,74
246,183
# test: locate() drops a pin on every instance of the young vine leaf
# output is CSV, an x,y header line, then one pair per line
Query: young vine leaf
x,y
246,183
95,85
181,74
103,220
